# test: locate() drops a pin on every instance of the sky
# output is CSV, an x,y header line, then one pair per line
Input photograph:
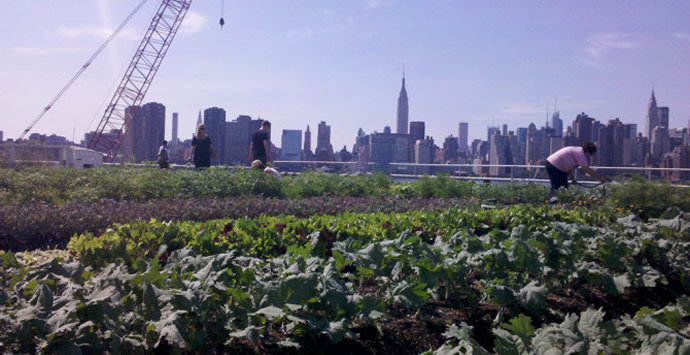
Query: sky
x,y
299,62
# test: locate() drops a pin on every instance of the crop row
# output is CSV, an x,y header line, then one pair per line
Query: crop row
x,y
100,185
267,236
350,280
40,225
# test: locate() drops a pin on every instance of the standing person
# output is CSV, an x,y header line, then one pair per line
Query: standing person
x,y
202,149
163,155
561,164
260,146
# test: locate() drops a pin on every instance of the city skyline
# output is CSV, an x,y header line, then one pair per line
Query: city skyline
x,y
303,63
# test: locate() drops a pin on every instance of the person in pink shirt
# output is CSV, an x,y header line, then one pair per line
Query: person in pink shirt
x,y
561,164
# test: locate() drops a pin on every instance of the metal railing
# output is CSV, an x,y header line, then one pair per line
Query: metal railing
x,y
458,169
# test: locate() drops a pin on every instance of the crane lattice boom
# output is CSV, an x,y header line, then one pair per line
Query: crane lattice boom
x,y
138,77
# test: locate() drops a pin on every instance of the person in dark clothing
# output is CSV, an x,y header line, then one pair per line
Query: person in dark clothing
x,y
202,149
260,146
163,155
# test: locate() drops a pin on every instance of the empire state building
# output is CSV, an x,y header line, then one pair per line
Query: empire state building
x,y
402,109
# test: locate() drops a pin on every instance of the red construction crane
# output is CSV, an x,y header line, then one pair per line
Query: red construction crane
x,y
138,77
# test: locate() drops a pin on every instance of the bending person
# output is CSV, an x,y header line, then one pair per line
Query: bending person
x,y
258,165
561,164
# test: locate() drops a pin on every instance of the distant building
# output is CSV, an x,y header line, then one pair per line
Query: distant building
x,y
1,137
500,154
52,139
144,131
403,110
423,154
660,142
556,143
611,144
238,134
463,136
652,119
490,132
474,148
533,147
557,124
582,127
307,154
214,122
174,128
681,160
450,150
639,149
109,136
417,131
324,149
291,149
385,148
343,155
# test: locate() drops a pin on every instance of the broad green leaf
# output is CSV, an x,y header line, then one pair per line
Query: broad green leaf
x,y
533,297
521,326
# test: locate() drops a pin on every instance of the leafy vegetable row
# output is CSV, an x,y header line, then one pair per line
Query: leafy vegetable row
x,y
267,236
328,290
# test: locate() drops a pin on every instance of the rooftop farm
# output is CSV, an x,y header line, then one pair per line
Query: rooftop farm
x,y
119,260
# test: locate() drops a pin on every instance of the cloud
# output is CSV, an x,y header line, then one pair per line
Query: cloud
x,y
328,13
538,111
302,34
373,4
601,44
49,51
522,109
95,31
682,35
193,23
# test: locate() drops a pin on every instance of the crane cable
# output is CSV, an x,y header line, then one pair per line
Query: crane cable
x,y
83,68
222,8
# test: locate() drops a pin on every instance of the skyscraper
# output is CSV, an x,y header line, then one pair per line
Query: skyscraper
x,y
291,145
611,144
583,127
416,131
324,150
308,154
174,128
462,136
557,124
652,119
663,116
238,134
402,109
500,153
214,122
490,132
147,130
660,142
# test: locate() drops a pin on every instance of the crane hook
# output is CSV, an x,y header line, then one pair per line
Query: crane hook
x,y
222,8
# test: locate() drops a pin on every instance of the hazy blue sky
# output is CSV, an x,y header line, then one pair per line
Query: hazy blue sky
x,y
300,62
